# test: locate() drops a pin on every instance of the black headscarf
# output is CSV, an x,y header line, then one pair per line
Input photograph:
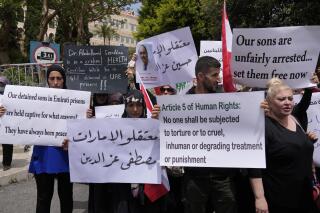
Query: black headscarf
x,y
58,68
134,96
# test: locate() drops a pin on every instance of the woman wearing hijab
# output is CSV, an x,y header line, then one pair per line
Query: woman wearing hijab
x,y
49,163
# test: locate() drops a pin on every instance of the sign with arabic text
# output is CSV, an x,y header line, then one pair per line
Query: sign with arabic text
x,y
114,150
111,111
167,58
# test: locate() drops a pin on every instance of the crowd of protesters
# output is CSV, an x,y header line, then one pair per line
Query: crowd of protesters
x,y
284,186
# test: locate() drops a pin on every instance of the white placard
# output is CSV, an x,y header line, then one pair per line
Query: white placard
x,y
37,115
111,111
212,130
172,60
0,99
213,49
114,150
289,53
313,122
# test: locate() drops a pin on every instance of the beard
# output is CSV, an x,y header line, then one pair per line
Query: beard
x,y
211,88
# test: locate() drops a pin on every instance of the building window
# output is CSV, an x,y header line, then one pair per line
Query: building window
x,y
127,40
122,39
132,41
132,27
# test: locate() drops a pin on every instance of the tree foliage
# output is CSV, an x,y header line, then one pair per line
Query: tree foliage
x,y
9,33
32,22
106,32
204,16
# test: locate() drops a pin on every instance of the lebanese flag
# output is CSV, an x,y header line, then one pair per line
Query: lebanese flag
x,y
154,191
226,52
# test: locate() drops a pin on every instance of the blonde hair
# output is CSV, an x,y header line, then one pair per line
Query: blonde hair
x,y
274,85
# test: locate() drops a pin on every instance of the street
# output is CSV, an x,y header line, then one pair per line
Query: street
x,y
21,197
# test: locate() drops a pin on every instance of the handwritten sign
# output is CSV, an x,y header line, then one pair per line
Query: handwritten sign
x,y
96,68
38,115
172,60
212,130
289,53
114,150
313,122
112,111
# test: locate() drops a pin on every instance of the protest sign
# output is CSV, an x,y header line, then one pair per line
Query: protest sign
x,y
114,150
313,122
289,53
212,130
96,68
38,115
213,49
167,58
112,111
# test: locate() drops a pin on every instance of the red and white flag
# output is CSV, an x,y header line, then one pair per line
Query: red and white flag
x,y
154,191
226,52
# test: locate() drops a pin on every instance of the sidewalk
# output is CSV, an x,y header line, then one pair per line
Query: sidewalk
x,y
19,166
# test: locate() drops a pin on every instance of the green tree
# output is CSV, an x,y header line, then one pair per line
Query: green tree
x,y
106,32
173,14
32,22
9,33
79,13
204,16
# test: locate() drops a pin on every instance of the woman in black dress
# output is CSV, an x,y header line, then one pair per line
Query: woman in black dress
x,y
285,185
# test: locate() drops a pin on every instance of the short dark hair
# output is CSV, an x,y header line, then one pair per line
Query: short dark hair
x,y
206,62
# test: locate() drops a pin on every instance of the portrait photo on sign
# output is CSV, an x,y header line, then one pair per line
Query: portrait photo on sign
x,y
145,64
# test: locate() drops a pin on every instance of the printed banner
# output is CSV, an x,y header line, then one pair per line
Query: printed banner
x,y
114,150
212,130
37,115
289,53
167,58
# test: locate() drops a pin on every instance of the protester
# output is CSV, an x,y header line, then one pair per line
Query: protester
x,y
285,185
167,90
172,200
205,188
101,194
49,163
7,149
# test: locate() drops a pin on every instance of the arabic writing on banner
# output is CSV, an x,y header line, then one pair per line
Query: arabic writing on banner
x,y
213,49
212,130
313,122
96,68
114,150
289,53
167,58
112,111
37,115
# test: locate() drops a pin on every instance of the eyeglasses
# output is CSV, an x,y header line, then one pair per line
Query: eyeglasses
x,y
55,77
163,89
